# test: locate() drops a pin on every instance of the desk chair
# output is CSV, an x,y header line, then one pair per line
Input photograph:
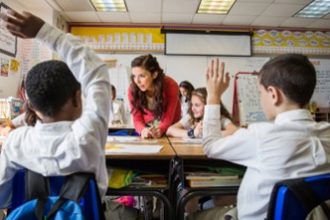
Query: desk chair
x,y
90,202
285,201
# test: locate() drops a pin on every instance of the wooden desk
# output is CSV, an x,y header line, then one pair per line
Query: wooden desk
x,y
166,153
187,150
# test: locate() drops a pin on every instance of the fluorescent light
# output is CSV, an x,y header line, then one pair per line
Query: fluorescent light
x,y
316,9
215,6
109,5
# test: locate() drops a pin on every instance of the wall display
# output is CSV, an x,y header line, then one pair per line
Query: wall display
x,y
112,39
285,41
8,42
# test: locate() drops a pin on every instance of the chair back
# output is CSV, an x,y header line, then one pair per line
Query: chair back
x,y
90,202
285,204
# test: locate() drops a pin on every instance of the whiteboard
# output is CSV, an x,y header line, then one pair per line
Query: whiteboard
x,y
224,44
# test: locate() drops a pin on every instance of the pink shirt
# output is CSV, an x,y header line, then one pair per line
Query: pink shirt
x,y
171,108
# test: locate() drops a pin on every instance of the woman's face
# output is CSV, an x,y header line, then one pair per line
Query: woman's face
x,y
183,91
143,78
197,107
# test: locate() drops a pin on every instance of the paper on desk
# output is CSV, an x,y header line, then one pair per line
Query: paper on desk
x,y
195,141
129,139
133,149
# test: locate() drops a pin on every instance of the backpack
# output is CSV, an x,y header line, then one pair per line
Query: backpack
x,y
316,208
39,205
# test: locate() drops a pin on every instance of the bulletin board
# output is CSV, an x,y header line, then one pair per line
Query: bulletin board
x,y
8,42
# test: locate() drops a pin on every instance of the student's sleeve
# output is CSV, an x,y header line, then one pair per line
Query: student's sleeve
x,y
138,120
92,74
172,96
8,170
240,148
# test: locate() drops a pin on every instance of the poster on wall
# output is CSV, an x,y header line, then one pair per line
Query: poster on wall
x,y
8,42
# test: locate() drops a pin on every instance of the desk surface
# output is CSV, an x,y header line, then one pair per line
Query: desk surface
x,y
165,153
186,149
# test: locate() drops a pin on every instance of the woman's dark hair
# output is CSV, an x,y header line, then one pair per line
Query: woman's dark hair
x,y
293,74
202,94
140,102
189,87
49,85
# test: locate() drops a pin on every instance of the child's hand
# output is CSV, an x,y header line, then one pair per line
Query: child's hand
x,y
217,81
155,132
145,133
198,131
24,25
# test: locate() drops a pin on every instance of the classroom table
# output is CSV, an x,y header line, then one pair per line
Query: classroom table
x,y
191,153
155,162
188,149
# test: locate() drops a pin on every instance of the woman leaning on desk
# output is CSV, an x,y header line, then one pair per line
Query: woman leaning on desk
x,y
153,98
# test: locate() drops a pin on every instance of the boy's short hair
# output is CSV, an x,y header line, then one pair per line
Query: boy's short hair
x,y
293,74
49,85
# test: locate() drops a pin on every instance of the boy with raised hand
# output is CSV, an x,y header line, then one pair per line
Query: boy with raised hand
x,y
67,137
290,145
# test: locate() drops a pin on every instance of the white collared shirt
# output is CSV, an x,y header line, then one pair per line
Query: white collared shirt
x,y
292,146
64,147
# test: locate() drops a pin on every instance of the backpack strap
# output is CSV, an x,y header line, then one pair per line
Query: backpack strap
x,y
304,193
37,187
73,189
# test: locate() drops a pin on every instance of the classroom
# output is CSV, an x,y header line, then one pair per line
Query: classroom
x,y
137,91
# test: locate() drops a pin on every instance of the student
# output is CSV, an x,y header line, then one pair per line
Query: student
x,y
154,98
67,136
186,89
291,145
191,124
117,112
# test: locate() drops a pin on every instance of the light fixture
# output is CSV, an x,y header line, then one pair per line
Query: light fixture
x,y
316,9
215,6
109,5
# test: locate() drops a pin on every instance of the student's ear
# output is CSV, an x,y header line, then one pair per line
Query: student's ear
x,y
155,74
276,95
76,99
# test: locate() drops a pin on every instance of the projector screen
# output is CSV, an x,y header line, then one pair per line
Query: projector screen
x,y
204,43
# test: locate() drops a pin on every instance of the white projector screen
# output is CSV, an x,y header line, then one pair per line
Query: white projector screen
x,y
218,43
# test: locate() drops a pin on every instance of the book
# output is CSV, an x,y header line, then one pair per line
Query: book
x,y
214,182
132,149
209,176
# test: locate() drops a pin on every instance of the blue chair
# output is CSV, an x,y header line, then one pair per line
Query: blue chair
x,y
90,202
288,200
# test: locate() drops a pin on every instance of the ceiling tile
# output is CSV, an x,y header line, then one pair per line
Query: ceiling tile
x,y
75,5
238,20
297,22
113,16
208,19
145,18
281,10
144,6
33,4
294,1
180,6
242,8
252,1
179,18
268,21
324,23
82,16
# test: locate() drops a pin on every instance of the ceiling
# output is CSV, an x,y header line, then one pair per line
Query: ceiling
x,y
247,13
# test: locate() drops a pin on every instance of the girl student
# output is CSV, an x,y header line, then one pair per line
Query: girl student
x,y
153,98
186,89
191,126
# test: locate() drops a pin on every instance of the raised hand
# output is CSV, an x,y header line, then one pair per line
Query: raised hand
x,y
217,81
24,25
